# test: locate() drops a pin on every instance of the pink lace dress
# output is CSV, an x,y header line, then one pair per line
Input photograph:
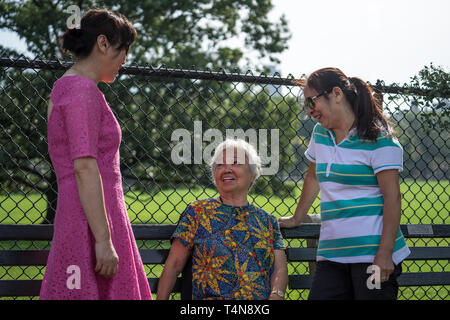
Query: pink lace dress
x,y
82,125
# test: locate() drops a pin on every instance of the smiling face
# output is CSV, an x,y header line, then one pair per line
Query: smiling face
x,y
233,173
326,109
321,110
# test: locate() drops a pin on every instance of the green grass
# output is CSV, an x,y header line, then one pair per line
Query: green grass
x,y
423,202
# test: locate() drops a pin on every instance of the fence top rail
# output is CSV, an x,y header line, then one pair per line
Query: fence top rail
x,y
150,71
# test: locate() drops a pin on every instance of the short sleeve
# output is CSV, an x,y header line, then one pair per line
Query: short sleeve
x,y
310,153
387,155
278,243
82,117
186,228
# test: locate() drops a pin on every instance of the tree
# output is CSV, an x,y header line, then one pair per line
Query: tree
x,y
185,32
423,128
172,33
430,91
425,151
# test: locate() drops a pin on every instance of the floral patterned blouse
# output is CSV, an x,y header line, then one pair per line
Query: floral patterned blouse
x,y
232,249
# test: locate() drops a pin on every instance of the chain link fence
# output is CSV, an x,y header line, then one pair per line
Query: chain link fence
x,y
157,108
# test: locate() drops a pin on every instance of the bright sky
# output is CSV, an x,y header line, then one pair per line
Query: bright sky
x,y
389,40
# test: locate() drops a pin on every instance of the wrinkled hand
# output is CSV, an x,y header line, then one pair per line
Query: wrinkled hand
x,y
274,296
288,222
107,259
386,265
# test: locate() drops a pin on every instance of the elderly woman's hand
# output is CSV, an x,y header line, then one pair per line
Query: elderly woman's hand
x,y
274,296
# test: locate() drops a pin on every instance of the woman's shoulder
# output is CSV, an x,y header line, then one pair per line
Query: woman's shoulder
x,y
386,138
264,213
77,81
70,85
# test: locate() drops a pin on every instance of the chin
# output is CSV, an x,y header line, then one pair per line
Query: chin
x,y
109,80
325,125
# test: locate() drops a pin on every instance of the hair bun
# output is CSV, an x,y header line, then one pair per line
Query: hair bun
x,y
76,41
114,26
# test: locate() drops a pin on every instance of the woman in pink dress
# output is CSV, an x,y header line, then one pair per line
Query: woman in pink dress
x,y
94,253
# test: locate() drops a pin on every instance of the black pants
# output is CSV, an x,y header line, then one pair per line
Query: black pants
x,y
348,281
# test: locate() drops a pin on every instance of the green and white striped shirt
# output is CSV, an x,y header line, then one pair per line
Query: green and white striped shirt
x,y
351,200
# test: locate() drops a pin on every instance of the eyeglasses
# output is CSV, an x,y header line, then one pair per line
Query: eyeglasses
x,y
310,101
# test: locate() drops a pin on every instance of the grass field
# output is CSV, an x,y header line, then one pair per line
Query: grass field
x,y
423,202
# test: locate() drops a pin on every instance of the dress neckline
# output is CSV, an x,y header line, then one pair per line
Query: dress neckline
x,y
246,207
78,76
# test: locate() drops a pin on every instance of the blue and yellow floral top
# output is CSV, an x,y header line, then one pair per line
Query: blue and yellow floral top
x,y
232,249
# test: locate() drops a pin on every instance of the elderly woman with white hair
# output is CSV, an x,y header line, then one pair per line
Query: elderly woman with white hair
x,y
237,249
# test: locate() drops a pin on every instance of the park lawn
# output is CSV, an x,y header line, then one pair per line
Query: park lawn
x,y
423,202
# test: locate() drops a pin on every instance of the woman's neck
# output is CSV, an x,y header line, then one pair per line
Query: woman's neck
x,y
85,68
234,200
346,123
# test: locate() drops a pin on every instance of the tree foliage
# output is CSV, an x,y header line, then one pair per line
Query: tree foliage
x,y
180,33
430,90
183,32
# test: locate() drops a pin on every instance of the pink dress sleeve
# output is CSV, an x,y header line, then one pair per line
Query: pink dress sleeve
x,y
82,117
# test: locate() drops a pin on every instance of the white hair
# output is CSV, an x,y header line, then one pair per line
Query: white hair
x,y
243,148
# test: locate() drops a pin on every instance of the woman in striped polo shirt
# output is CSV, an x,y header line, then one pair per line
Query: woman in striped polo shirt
x,y
354,163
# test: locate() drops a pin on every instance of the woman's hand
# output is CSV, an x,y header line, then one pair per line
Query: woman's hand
x,y
289,222
384,262
107,259
274,296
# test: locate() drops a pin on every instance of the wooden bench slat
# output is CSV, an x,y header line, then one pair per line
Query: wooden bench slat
x,y
26,232
32,287
157,232
154,256
23,257
429,253
45,232
164,231
23,288
424,279
417,253
19,288
312,231
305,231
300,281
159,256
301,254
39,257
408,279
